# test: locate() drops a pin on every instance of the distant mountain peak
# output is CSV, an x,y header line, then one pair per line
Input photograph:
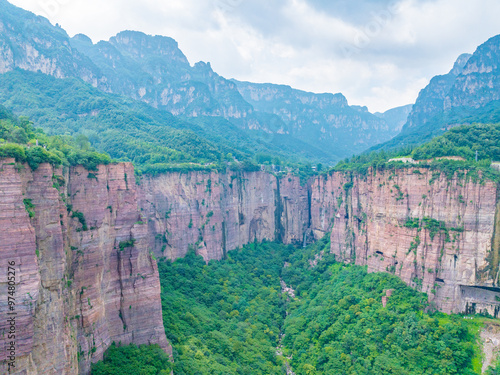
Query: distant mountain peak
x,y
83,39
460,64
201,65
139,45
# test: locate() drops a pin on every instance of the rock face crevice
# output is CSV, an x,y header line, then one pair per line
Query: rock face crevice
x,y
85,243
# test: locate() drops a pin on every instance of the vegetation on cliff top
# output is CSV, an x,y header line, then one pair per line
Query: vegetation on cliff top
x,y
184,151
461,142
19,139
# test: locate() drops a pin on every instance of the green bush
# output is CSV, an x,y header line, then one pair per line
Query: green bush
x,y
30,207
38,155
339,326
227,317
133,360
124,244
81,218
11,150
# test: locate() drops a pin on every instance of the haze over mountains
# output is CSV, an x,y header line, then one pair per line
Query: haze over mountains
x,y
152,69
268,118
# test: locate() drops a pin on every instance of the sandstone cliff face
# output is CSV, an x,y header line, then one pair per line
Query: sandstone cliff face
x,y
213,213
437,234
433,232
78,290
87,269
86,257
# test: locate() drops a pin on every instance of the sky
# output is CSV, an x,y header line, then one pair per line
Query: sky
x,y
378,53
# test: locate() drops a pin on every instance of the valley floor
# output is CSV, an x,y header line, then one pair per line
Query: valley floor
x,y
275,309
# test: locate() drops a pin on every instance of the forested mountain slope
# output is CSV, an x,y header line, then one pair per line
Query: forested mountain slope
x,y
153,70
469,93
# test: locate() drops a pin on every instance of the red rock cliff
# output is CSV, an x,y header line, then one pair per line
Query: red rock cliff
x,y
85,274
213,213
437,234
86,257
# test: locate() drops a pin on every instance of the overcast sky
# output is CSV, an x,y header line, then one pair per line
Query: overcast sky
x,y
378,53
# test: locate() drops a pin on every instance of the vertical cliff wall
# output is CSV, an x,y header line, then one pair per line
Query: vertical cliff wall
x,y
213,213
84,243
85,275
437,234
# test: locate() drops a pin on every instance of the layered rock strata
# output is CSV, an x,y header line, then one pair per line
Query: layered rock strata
x,y
85,243
212,213
85,276
437,234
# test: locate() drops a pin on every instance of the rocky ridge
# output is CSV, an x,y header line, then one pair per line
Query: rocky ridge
x,y
319,119
468,94
152,69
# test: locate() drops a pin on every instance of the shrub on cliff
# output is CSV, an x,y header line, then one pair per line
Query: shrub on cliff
x,y
133,360
34,156
11,150
38,155
89,159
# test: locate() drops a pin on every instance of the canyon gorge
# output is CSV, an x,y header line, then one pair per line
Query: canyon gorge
x,y
86,243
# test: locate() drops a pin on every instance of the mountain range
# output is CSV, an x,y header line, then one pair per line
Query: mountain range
x,y
283,121
226,116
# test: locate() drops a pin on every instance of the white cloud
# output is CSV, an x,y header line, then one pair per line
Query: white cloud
x,y
375,53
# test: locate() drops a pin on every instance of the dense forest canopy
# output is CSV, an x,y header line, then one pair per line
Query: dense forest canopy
x,y
461,142
234,317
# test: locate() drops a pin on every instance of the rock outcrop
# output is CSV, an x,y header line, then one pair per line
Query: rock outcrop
x,y
468,94
84,245
85,276
437,234
214,213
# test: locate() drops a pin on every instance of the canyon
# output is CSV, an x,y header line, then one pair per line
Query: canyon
x,y
86,243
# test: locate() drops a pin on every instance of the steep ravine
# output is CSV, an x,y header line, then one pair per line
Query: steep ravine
x,y
86,257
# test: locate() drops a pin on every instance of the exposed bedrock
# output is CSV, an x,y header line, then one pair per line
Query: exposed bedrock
x,y
85,243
